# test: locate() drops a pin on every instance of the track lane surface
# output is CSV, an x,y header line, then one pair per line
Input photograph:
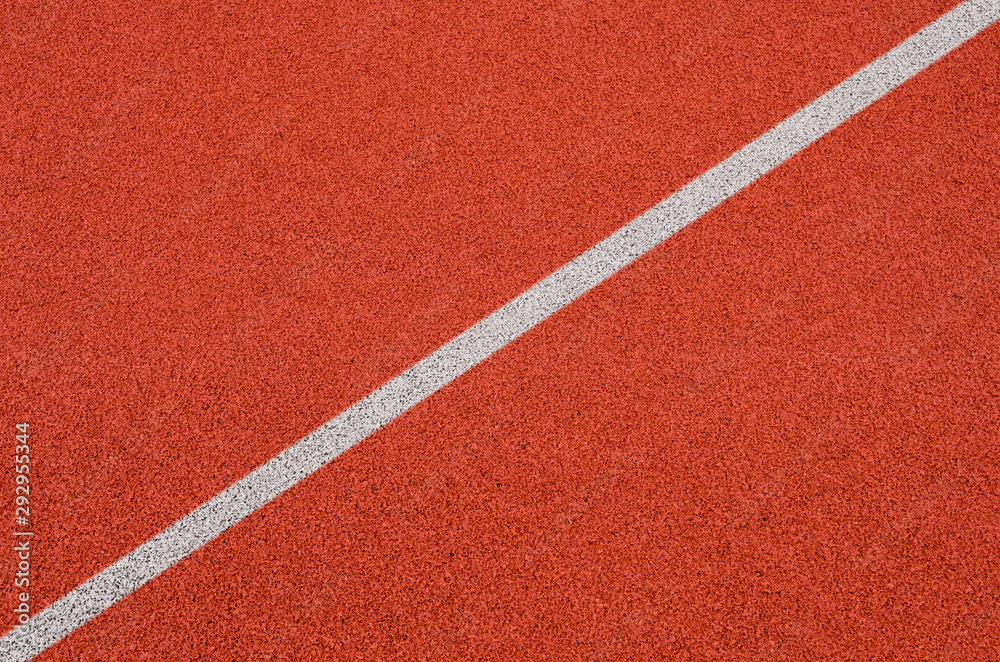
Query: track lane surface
x,y
774,436
231,223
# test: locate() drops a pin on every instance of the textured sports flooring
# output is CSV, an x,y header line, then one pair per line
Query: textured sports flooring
x,y
771,436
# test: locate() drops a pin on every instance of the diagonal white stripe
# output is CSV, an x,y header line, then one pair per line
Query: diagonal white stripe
x,y
500,328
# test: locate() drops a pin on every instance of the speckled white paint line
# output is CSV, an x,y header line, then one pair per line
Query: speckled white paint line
x,y
496,331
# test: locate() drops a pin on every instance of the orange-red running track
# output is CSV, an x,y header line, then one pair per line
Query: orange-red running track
x,y
773,437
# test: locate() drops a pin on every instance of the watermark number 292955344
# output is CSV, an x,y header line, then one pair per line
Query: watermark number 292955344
x,y
22,524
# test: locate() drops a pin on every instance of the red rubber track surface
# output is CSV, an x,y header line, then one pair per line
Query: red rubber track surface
x,y
772,437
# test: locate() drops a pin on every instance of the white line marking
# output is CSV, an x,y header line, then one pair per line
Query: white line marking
x,y
494,332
